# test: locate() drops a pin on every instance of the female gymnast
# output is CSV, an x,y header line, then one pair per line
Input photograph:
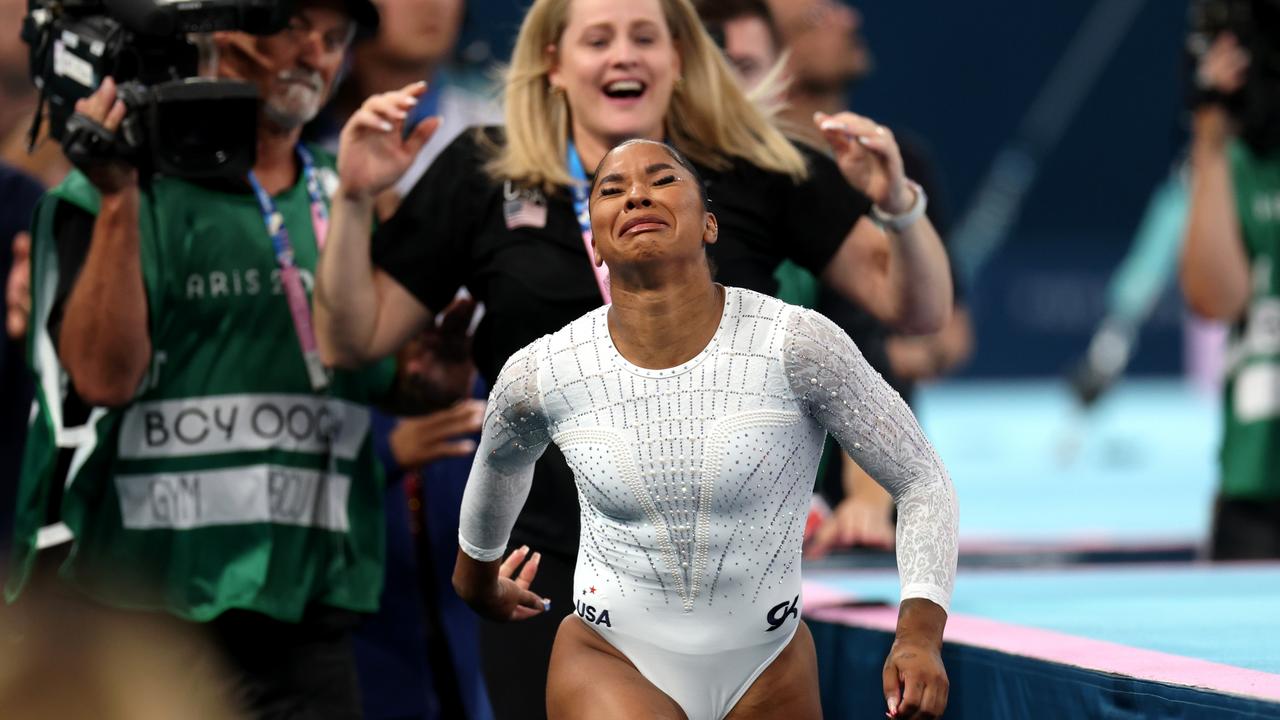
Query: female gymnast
x,y
693,417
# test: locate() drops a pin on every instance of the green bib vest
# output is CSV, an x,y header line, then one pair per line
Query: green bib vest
x,y
227,482
1251,440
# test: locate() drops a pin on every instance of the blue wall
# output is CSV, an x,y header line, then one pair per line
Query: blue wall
x,y
973,70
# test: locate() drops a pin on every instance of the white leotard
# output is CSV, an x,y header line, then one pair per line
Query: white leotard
x,y
694,484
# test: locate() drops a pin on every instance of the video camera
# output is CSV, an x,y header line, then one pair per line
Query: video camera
x,y
177,122
1256,24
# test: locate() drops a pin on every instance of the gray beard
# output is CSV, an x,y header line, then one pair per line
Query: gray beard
x,y
293,108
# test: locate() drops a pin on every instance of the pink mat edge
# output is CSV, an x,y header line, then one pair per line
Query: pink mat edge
x,y
1060,648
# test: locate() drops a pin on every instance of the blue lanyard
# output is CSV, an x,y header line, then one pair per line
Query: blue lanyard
x,y
274,221
581,192
295,293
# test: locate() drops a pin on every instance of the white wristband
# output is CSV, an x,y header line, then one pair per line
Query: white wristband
x,y
900,222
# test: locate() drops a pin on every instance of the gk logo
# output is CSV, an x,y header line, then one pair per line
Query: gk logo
x,y
783,610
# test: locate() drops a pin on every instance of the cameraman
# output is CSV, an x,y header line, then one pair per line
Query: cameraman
x,y
230,479
1231,271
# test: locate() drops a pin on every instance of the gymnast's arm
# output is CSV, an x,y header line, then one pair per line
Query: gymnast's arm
x,y
851,401
514,437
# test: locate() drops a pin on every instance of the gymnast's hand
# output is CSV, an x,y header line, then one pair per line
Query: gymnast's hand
x,y
373,151
869,158
506,597
915,682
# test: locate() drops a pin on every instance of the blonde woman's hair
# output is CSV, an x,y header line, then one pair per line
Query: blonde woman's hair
x,y
709,119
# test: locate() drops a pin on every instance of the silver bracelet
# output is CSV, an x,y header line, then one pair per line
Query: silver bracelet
x,y
902,221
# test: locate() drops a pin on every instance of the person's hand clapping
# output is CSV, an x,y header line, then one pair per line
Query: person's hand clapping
x,y
373,151
112,176
869,158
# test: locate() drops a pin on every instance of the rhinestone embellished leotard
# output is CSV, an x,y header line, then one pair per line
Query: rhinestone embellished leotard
x,y
694,483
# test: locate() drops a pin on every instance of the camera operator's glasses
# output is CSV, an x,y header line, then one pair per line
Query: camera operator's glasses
x,y
336,40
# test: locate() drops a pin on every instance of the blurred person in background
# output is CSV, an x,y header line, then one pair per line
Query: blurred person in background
x,y
826,56
500,212
23,175
20,193
65,660
1134,293
746,32
229,480
1135,288
1230,271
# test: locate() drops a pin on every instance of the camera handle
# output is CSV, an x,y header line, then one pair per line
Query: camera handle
x,y
87,143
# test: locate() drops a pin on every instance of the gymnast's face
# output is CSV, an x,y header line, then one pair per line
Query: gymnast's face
x,y
646,208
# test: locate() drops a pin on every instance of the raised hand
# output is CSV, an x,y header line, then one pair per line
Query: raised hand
x,y
1223,66
869,158
373,151
1222,70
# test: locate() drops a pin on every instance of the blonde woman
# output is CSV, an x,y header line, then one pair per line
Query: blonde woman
x,y
503,212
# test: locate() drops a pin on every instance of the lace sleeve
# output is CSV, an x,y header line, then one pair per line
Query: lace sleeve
x,y
514,437
873,424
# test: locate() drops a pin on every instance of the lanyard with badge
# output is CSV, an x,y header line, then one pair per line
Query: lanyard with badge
x,y
290,277
581,191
